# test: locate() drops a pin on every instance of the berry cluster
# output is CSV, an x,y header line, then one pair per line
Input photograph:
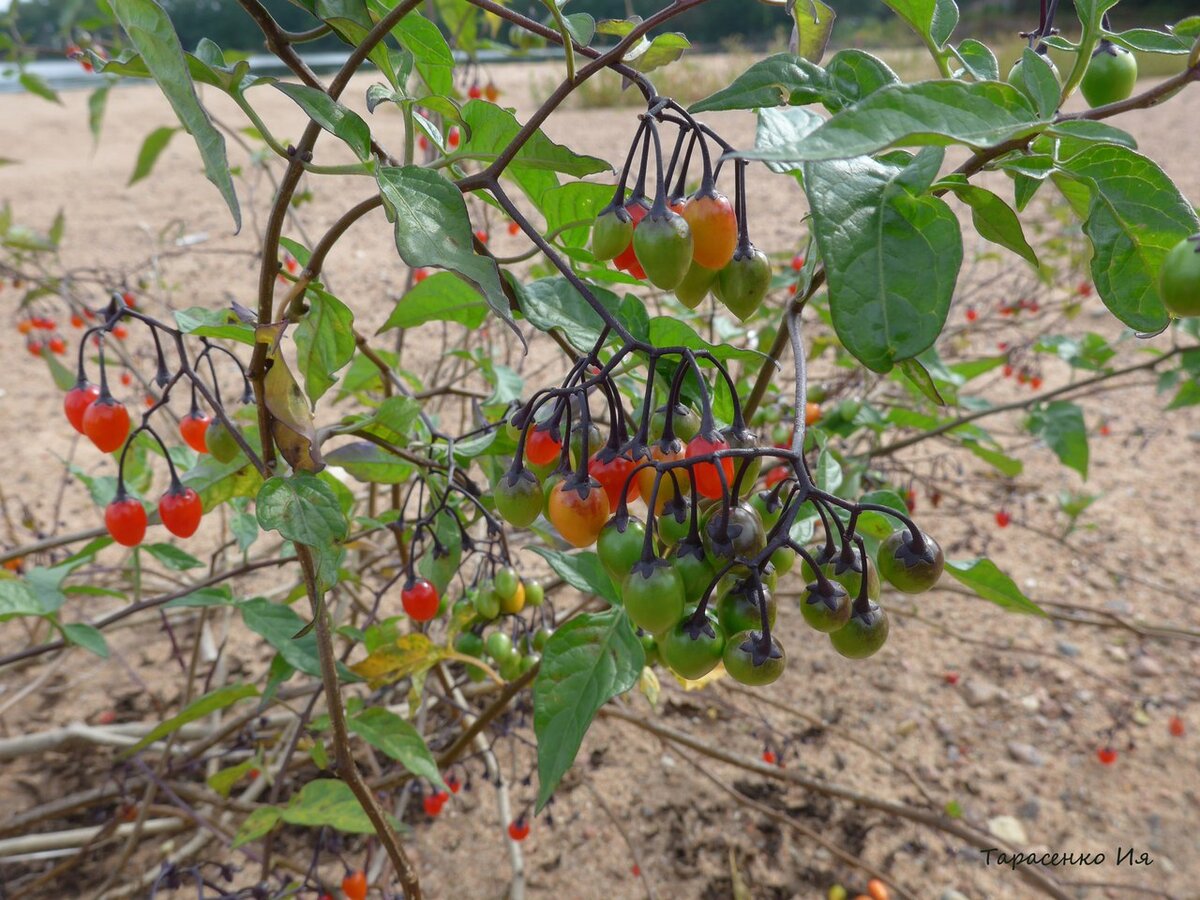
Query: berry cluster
x,y
96,413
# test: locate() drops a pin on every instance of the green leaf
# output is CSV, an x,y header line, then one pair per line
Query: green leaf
x,y
780,80
569,210
442,297
256,826
219,595
1147,40
199,708
433,57
152,147
1137,216
667,331
993,218
214,323
586,663
150,30
370,463
582,571
324,341
892,255
172,557
856,74
983,577
87,637
278,625
302,508
781,128
1041,84
814,25
663,49
978,59
980,115
916,373
1060,424
1006,465
555,303
332,116
36,85
390,734
434,229
18,599
931,19
327,802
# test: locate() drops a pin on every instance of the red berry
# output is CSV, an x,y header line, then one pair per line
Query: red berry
x,y
423,142
180,510
106,717
636,870
419,275
354,885
775,475
1003,518
1084,289
910,500
76,321
708,477
1175,726
971,314
768,757
482,236
797,263
120,332
514,228
1035,382
192,429
76,402
452,138
420,599
1008,370
149,400
474,92
432,804
126,378
542,446
454,784
1105,430
129,299
613,476
1022,378
125,519
1003,345
518,830
1107,755
58,346
791,288
106,423
951,678
34,348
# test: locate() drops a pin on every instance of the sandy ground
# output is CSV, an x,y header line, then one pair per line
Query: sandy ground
x,y
1028,752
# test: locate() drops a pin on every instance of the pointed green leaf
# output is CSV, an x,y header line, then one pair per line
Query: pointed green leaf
x,y
983,577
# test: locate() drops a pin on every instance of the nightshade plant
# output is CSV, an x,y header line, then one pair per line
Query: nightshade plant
x,y
729,509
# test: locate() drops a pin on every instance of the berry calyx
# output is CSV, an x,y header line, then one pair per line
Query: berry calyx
x,y
125,519
180,510
420,599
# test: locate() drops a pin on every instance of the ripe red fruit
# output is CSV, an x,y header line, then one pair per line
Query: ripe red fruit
x,y
192,429
1175,726
423,142
433,803
1003,518
106,423
453,138
180,510
125,519
708,478
775,475
131,302
910,500
636,870
951,678
420,275
1008,370
1107,755
474,92
971,314
106,717
518,830
1105,430
768,757
1084,289
612,476
76,321
354,885
626,260
420,599
1035,382
542,446
126,378
482,236
797,263
76,402
34,348
514,228
120,333
58,346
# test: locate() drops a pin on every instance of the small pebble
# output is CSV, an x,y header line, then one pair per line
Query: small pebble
x,y
1067,649
1008,828
1025,753
1146,667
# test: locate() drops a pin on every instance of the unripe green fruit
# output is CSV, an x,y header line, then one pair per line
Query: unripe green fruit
x,y
487,604
685,422
691,656
862,635
695,285
1016,75
499,646
906,568
742,662
620,547
220,442
535,594
611,233
469,644
662,243
744,282
506,582
1179,279
519,497
1111,75
653,597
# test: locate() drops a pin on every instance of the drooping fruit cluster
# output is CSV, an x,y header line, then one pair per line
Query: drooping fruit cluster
x,y
93,411
692,244
492,628
698,571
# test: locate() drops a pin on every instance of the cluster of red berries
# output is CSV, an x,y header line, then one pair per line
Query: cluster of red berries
x,y
41,333
1021,305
